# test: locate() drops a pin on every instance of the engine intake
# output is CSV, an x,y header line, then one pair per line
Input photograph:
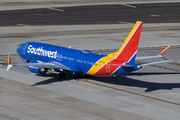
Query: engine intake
x,y
139,67
35,69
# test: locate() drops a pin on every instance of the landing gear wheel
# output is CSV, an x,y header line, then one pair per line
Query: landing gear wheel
x,y
61,76
43,70
86,75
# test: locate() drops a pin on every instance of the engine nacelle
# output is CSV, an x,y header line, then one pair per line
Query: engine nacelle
x,y
35,69
24,60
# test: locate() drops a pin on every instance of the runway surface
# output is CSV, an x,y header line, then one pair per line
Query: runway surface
x,y
152,93
97,14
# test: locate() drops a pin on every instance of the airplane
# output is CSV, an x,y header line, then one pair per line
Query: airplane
x,y
41,57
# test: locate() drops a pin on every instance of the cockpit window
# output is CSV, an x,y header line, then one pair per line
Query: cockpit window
x,y
20,46
24,48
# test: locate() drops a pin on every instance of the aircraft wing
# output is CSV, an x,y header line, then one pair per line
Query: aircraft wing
x,y
156,56
45,65
153,62
40,64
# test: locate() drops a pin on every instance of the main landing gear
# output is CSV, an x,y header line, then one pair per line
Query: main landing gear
x,y
61,75
86,75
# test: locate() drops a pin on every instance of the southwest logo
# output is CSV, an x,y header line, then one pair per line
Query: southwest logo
x,y
42,52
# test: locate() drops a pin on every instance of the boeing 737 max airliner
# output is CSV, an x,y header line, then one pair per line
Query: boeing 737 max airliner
x,y
41,57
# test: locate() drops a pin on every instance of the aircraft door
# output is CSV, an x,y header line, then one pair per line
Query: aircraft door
x,y
60,57
108,66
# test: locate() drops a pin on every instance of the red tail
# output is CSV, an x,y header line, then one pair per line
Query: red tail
x,y
128,50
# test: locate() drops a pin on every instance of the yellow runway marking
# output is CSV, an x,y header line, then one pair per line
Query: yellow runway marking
x,y
10,55
175,64
23,25
90,37
125,22
55,9
131,92
6,61
3,60
155,15
3,63
82,32
49,40
175,46
3,55
165,68
12,36
129,5
81,80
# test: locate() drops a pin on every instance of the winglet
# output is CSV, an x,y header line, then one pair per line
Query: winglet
x,y
162,53
9,63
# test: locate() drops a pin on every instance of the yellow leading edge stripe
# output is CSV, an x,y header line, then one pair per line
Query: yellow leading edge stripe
x,y
114,55
9,61
164,50
101,62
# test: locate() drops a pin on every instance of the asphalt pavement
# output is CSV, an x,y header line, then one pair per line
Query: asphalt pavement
x,y
96,14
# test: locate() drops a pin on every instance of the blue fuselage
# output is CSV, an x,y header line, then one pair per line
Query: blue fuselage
x,y
76,60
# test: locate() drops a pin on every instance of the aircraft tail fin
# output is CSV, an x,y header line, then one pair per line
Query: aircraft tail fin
x,y
127,52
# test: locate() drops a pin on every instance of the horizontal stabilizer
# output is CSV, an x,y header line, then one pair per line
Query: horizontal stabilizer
x,y
147,57
156,56
153,62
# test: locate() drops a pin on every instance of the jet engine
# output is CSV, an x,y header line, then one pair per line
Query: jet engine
x,y
35,69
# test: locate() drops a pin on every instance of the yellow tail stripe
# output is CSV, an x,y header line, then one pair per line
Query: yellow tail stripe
x,y
103,61
114,55
98,65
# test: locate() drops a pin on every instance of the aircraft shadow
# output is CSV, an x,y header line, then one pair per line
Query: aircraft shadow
x,y
151,73
55,79
151,86
45,82
125,81
49,81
